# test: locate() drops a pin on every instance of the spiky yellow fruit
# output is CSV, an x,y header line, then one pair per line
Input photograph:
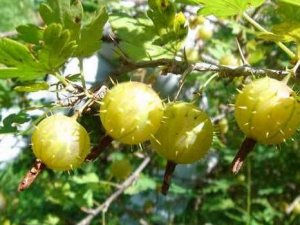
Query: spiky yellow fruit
x,y
267,111
131,112
60,142
185,135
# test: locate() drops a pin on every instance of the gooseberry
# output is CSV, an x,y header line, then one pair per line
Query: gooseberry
x,y
60,142
185,135
267,111
131,112
205,33
228,60
121,168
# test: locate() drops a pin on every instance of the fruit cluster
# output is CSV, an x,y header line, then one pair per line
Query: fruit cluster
x,y
267,111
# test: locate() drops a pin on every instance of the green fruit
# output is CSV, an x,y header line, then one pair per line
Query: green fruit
x,y
121,169
192,55
228,60
205,33
60,142
186,134
241,179
131,112
267,111
194,21
223,126
296,210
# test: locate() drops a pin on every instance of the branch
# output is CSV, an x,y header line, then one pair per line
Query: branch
x,y
104,206
293,205
30,176
178,67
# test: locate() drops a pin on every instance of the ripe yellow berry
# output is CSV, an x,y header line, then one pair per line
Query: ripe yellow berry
x,y
267,111
186,134
131,112
121,169
205,33
60,142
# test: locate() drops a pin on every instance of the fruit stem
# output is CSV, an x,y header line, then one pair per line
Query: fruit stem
x,y
82,78
249,192
98,149
247,146
170,167
260,28
31,175
61,79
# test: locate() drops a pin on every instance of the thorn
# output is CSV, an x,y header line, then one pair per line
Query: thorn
x,y
103,111
239,91
112,81
242,107
267,134
253,112
155,139
122,130
281,131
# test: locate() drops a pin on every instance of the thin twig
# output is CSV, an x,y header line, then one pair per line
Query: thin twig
x,y
104,206
291,207
178,67
31,175
247,146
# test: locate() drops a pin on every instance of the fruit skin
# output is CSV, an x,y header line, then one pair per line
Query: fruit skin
x,y
205,33
185,135
228,60
267,111
60,142
121,168
131,112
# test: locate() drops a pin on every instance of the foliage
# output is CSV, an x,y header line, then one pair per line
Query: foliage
x,y
149,42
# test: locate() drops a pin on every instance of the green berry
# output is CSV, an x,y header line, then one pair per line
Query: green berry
x,y
131,112
185,135
267,111
205,33
60,142
121,169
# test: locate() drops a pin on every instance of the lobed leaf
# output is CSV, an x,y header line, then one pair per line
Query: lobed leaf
x,y
10,122
223,8
33,87
30,33
294,2
63,12
91,34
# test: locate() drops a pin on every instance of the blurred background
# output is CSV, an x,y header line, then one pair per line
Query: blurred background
x,y
205,192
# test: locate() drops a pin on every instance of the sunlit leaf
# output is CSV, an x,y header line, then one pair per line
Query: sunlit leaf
x,y
224,8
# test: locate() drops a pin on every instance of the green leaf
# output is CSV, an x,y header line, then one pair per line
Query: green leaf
x,y
139,38
284,32
33,87
86,178
91,34
289,12
189,2
294,2
30,33
57,47
223,8
20,62
62,12
143,183
10,122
